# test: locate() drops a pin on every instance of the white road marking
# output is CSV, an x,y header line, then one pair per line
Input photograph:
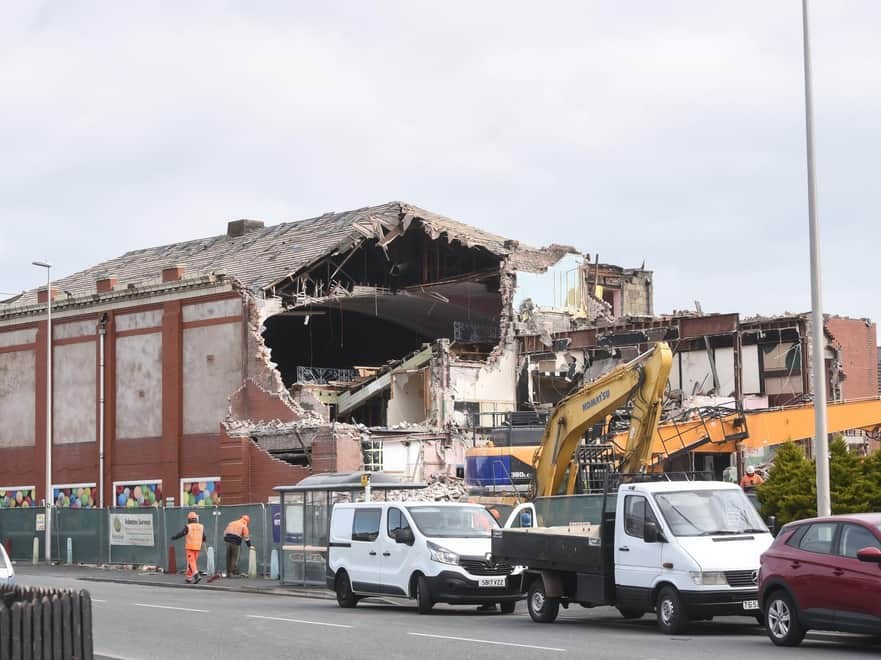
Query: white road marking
x,y
488,641
98,600
169,607
311,623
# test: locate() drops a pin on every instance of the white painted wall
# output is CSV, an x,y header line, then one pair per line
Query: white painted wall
x,y
486,383
212,310
75,329
407,402
74,397
212,370
18,337
17,398
750,370
139,386
139,320
725,370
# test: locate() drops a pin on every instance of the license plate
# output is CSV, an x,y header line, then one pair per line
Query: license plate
x,y
750,604
492,582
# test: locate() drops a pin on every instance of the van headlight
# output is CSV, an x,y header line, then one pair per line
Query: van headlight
x,y
712,578
441,555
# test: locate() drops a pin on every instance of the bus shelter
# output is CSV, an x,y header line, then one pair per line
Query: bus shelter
x,y
305,519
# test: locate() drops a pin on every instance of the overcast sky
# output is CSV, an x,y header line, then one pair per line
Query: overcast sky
x,y
667,132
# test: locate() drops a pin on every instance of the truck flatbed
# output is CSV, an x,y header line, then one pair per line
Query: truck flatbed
x,y
575,548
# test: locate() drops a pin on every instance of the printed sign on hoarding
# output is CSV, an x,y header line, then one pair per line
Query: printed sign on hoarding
x,y
131,529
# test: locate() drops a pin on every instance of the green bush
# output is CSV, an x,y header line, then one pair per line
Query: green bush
x,y
790,493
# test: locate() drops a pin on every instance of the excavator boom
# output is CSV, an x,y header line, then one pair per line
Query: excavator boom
x,y
642,380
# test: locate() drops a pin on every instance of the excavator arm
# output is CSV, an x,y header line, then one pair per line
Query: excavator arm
x,y
642,380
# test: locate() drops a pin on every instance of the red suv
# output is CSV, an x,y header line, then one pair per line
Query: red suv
x,y
823,573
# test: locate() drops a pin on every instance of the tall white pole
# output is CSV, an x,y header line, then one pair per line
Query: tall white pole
x,y
48,496
821,440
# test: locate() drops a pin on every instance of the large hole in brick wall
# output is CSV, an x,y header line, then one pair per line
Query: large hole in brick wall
x,y
335,339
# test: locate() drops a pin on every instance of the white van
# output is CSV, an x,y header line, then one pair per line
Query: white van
x,y
433,552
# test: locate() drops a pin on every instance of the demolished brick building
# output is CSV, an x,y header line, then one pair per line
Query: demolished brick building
x,y
225,366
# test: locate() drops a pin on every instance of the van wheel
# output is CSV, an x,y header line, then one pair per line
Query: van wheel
x,y
423,596
508,607
781,620
672,617
542,609
344,594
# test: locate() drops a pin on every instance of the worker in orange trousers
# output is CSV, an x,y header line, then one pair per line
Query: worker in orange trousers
x,y
194,534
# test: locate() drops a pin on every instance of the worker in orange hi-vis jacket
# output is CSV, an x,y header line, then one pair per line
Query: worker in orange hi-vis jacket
x,y
751,479
234,534
194,533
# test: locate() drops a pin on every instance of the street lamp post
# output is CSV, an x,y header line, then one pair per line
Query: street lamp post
x,y
821,440
49,498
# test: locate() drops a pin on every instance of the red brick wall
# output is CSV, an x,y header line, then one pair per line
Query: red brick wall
x,y
859,356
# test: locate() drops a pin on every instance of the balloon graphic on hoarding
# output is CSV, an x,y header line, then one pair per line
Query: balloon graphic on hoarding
x,y
200,493
74,497
12,498
138,495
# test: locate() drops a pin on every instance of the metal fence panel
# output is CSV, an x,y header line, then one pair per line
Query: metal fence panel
x,y
87,530
19,526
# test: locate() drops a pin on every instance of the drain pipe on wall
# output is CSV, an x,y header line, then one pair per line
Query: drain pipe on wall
x,y
102,331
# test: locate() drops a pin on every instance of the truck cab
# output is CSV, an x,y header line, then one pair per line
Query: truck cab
x,y
684,550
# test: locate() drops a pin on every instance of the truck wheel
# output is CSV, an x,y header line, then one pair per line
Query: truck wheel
x,y
542,609
423,596
508,607
630,614
672,617
781,620
344,594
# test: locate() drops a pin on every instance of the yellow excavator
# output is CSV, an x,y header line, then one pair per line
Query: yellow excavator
x,y
640,381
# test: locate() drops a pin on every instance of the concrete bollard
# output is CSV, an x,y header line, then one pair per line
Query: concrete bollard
x,y
273,564
69,551
210,554
252,562
36,556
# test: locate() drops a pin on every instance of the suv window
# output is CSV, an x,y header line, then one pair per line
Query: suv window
x,y
634,515
854,538
818,538
396,521
365,526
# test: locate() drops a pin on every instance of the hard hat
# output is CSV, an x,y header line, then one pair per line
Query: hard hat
x,y
246,518
750,469
192,515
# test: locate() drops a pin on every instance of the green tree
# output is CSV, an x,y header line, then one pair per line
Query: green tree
x,y
790,492
850,489
872,475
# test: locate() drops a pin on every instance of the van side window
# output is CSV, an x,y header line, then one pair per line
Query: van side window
x,y
634,515
365,526
396,521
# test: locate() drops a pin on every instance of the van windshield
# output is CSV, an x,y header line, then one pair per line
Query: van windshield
x,y
710,513
453,521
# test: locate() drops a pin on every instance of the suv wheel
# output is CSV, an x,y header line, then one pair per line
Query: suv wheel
x,y
672,617
542,609
423,596
344,594
781,620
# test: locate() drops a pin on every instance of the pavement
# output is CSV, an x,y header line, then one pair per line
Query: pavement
x,y
137,617
122,575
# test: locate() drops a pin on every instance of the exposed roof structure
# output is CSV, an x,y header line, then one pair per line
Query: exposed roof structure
x,y
264,256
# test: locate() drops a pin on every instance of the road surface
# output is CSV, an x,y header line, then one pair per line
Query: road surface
x,y
134,622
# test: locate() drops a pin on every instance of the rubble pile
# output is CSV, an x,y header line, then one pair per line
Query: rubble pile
x,y
441,488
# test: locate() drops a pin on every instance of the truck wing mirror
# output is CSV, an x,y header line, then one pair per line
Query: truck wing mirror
x,y
650,533
871,555
526,518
